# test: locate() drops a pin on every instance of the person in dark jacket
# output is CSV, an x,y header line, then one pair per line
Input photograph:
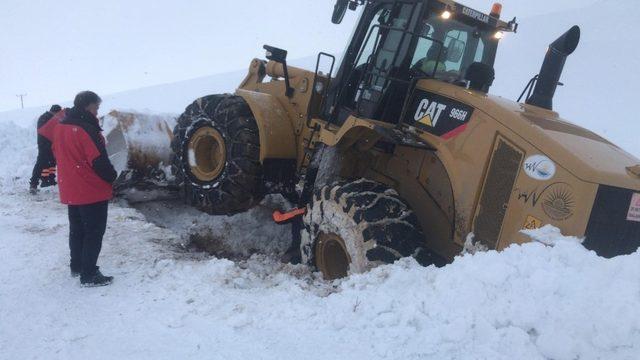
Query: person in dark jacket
x,y
45,168
85,178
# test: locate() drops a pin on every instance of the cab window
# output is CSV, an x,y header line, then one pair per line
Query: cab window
x,y
367,49
455,40
446,48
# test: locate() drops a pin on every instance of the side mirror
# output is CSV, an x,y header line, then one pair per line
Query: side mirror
x,y
455,50
339,9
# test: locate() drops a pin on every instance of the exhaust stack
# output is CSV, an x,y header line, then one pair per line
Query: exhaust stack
x,y
552,67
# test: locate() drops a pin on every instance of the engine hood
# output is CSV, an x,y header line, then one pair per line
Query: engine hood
x,y
579,151
583,153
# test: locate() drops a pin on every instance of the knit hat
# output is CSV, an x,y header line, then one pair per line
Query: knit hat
x,y
55,108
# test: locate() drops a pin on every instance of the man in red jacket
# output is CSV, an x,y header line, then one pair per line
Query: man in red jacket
x,y
85,175
44,171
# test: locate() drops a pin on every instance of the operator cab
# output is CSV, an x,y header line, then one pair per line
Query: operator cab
x,y
397,43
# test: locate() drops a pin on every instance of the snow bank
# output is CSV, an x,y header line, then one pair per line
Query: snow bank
x,y
529,302
18,152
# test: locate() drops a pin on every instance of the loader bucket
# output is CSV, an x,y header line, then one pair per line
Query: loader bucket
x,y
139,147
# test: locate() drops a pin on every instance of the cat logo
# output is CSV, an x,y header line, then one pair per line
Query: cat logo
x,y
428,112
437,114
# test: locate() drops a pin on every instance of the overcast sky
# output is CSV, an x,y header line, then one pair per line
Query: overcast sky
x,y
52,49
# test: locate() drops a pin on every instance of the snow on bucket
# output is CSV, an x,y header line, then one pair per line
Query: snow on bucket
x,y
139,145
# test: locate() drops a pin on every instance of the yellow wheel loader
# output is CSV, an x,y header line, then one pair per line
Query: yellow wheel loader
x,y
403,151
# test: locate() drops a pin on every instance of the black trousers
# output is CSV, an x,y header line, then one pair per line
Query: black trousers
x,y
87,224
45,164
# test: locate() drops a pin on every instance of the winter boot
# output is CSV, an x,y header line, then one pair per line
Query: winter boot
x,y
33,190
96,280
75,273
48,181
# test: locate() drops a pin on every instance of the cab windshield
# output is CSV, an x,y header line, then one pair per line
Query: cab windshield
x,y
446,48
404,45
398,42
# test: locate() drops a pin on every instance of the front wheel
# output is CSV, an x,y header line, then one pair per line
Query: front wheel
x,y
216,155
353,226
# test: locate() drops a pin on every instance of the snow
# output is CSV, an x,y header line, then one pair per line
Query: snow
x,y
170,301
18,150
471,246
528,302
548,299
549,235
131,133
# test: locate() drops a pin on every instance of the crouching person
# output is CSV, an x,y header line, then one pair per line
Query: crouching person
x,y
85,175
44,171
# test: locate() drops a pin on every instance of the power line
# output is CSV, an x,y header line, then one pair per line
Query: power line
x,y
21,96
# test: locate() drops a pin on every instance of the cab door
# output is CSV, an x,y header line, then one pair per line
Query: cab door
x,y
378,80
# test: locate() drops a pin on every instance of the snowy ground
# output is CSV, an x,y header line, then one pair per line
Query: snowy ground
x,y
529,302
169,301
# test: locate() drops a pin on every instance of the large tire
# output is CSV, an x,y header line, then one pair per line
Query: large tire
x,y
216,155
353,226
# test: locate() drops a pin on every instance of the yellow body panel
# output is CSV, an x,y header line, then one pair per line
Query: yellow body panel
x,y
444,187
445,181
277,139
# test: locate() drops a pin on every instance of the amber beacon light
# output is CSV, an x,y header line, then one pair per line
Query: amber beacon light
x,y
496,10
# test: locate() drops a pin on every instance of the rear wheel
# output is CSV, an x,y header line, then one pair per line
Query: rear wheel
x,y
353,226
216,155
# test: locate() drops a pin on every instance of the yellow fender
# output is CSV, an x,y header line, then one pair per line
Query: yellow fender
x,y
365,133
277,137
353,130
